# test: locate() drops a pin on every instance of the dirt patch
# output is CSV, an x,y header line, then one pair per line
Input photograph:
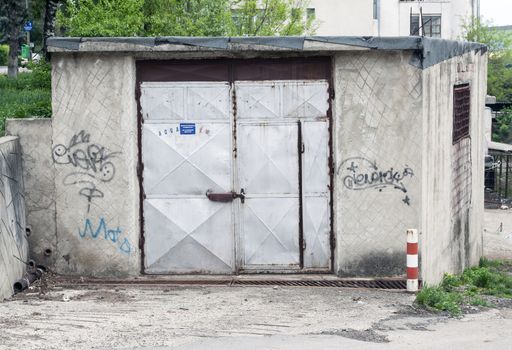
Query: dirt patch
x,y
112,296
367,335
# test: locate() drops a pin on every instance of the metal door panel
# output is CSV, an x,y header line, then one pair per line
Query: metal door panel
x,y
260,100
203,159
185,232
270,232
159,101
316,221
268,162
305,99
185,100
282,99
188,235
315,181
315,164
268,173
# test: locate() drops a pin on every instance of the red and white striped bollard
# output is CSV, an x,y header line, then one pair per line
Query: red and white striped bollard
x,y
412,260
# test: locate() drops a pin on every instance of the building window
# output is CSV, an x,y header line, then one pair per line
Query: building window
x,y
310,14
431,25
461,111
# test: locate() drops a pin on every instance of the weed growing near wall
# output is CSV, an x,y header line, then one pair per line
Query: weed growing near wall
x,y
473,287
4,53
27,96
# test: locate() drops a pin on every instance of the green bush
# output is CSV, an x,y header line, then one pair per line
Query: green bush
x,y
4,55
27,96
438,298
469,288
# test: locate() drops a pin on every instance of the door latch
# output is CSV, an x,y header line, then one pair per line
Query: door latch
x,y
240,195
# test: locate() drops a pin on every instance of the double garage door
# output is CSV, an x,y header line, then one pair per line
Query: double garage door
x,y
235,176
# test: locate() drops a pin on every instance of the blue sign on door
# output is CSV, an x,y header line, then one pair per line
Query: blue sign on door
x,y
187,128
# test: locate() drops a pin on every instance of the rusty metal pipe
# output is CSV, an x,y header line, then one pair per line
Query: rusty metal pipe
x,y
27,280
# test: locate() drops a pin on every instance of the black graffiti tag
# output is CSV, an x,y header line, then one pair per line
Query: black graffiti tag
x,y
361,173
91,162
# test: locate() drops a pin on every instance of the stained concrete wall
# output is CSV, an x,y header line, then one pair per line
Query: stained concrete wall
x,y
35,137
13,243
94,151
392,152
377,150
452,229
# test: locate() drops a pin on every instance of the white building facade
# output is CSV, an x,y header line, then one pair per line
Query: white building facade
x,y
441,18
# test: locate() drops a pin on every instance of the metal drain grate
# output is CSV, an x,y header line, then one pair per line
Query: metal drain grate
x,y
376,284
396,284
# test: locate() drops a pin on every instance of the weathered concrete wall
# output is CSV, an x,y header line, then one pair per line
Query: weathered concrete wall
x,y
453,174
94,149
377,150
35,137
13,242
394,165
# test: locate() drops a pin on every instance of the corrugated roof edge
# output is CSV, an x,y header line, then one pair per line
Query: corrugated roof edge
x,y
429,51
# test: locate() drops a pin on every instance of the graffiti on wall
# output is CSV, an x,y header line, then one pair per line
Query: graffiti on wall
x,y
109,234
90,163
359,173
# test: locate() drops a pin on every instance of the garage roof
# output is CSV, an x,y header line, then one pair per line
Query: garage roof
x,y
430,51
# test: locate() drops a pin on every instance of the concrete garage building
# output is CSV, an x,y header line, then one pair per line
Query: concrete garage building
x,y
257,155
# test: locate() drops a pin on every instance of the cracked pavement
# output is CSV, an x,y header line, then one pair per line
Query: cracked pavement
x,y
240,317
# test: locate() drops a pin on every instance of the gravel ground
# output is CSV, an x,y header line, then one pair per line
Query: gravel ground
x,y
214,317
498,234
158,316
56,316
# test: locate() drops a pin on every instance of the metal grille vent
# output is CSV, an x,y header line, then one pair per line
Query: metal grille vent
x,y
461,108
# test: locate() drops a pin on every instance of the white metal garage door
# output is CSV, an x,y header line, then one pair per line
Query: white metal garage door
x,y
224,195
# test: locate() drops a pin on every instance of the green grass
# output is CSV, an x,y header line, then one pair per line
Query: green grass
x,y
439,299
469,288
27,96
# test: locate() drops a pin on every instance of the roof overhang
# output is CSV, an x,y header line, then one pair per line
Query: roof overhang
x,y
429,51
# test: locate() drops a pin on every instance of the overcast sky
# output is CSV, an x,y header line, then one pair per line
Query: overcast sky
x,y
499,11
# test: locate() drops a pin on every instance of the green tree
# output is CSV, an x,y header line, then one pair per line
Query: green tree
x,y
13,15
185,17
271,17
49,20
499,44
102,18
502,130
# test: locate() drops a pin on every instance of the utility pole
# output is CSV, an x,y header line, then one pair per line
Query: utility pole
x,y
28,36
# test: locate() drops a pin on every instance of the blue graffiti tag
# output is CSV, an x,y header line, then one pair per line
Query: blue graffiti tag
x,y
112,235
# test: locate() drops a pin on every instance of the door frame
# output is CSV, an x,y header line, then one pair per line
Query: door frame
x,y
231,70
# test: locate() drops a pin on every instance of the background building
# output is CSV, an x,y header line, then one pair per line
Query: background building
x,y
441,18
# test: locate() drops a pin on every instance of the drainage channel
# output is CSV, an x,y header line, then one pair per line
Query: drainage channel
x,y
375,284
391,284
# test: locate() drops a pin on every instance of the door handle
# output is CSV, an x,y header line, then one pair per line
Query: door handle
x,y
240,195
220,197
225,197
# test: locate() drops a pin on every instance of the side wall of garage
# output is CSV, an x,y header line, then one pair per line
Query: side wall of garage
x,y
13,240
35,137
453,170
94,151
377,149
